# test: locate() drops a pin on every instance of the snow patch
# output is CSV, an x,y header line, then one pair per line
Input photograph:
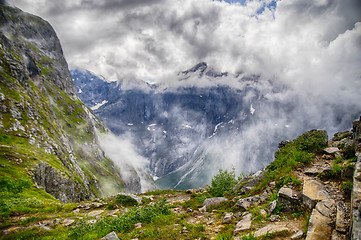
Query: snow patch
x,y
215,130
252,110
80,91
98,105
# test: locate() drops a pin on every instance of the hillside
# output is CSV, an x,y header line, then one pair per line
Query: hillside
x,y
49,140
311,191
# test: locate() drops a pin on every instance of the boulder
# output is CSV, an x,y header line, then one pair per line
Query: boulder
x,y
214,201
327,208
270,229
313,191
246,203
244,224
319,227
228,218
95,213
297,235
249,182
331,150
271,207
289,197
110,236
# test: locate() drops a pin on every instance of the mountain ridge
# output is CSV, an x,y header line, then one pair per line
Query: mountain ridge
x,y
47,133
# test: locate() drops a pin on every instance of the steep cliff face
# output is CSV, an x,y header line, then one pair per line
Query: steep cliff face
x,y
47,135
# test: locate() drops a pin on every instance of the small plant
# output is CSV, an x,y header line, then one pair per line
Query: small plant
x,y
125,200
223,182
347,187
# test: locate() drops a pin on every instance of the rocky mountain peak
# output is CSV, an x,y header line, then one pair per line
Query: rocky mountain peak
x,y
33,42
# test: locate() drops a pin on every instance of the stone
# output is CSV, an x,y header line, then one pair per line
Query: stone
x,y
271,207
266,194
244,224
283,143
203,209
238,215
311,171
338,236
274,218
319,227
112,212
289,197
331,150
269,229
263,212
327,208
228,218
246,203
341,222
246,184
214,201
297,235
138,225
110,236
76,211
95,213
68,222
313,191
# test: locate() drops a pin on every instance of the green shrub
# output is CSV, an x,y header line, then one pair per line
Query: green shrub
x,y
125,200
349,152
223,182
312,141
347,187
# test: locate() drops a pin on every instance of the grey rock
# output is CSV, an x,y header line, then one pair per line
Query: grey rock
x,y
246,203
246,184
110,236
270,229
214,201
271,207
331,150
341,221
244,224
228,218
327,208
274,218
289,197
297,235
283,143
64,189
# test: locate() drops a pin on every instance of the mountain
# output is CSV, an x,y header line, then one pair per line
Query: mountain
x,y
48,137
179,130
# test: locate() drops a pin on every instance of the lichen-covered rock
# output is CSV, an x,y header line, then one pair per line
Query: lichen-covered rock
x,y
289,197
245,223
246,203
214,201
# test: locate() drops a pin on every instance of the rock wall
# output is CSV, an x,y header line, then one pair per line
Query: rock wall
x,y
356,191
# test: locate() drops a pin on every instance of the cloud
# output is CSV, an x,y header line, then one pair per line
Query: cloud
x,y
307,53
